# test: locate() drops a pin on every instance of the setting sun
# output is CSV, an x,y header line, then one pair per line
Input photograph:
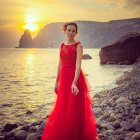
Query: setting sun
x,y
30,22
31,26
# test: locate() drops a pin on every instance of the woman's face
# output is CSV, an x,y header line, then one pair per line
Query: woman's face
x,y
70,31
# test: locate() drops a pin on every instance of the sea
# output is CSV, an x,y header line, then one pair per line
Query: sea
x,y
27,79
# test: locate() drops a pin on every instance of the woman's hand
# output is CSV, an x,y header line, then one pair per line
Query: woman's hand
x,y
56,88
74,89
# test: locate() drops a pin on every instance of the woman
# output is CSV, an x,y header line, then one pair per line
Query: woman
x,y
72,117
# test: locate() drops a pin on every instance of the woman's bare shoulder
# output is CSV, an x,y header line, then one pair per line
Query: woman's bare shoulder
x,y
60,45
79,46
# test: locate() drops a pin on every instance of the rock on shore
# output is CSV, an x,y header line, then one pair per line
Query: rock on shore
x,y
125,51
22,131
118,110
86,56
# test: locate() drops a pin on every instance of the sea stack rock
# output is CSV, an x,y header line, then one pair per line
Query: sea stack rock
x,y
86,56
25,40
125,51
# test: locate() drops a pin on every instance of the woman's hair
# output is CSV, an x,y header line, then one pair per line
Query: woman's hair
x,y
69,23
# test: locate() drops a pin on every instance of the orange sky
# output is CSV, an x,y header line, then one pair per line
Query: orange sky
x,y
14,14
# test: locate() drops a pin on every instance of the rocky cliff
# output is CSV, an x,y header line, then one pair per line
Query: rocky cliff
x,y
25,40
92,34
125,51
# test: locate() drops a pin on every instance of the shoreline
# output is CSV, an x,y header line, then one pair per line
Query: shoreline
x,y
115,110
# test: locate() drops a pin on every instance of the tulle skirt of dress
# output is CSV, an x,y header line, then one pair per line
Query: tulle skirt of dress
x,y
72,117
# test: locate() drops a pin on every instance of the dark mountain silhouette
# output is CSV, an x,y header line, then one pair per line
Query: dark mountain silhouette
x,y
92,34
25,40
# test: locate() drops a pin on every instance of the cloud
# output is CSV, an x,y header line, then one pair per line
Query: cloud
x,y
123,3
131,8
133,3
61,10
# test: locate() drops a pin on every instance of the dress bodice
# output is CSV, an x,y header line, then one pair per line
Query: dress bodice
x,y
68,54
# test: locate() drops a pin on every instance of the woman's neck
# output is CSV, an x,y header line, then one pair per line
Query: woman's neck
x,y
70,41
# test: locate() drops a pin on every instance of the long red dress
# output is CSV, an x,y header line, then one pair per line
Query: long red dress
x,y
72,117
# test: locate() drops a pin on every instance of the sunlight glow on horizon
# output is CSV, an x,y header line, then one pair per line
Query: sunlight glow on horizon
x,y
31,20
31,26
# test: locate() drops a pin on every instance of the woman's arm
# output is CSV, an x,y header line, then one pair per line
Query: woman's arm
x,y
78,62
57,75
58,71
58,68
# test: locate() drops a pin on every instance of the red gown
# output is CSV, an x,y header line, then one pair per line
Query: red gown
x,y
72,117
